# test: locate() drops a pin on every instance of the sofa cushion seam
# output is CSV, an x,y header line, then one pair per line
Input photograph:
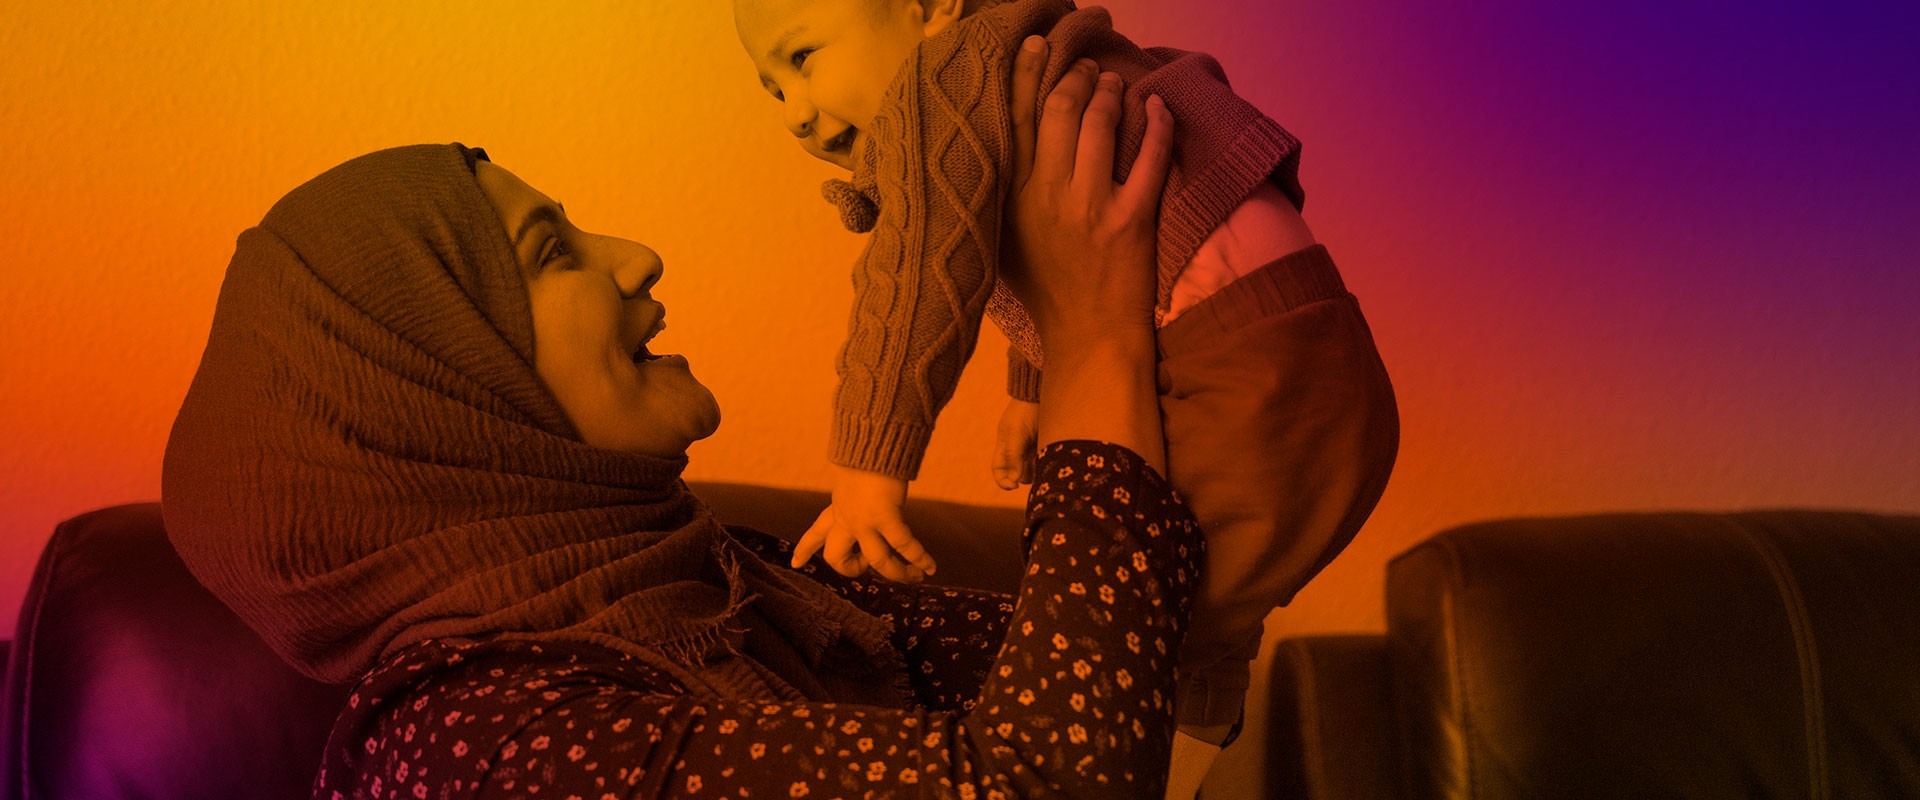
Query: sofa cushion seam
x,y
55,553
1807,656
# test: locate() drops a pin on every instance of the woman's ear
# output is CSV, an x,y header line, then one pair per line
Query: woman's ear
x,y
939,15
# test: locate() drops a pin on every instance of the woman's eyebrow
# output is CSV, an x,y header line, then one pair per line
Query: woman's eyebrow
x,y
540,213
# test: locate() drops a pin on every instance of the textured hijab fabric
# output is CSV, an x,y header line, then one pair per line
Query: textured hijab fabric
x,y
367,458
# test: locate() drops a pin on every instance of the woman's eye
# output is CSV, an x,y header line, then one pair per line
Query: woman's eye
x,y
556,248
800,57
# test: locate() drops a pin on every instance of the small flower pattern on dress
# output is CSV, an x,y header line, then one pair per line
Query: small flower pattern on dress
x,y
1061,686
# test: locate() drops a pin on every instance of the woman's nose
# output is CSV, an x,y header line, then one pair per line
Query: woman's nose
x,y
636,269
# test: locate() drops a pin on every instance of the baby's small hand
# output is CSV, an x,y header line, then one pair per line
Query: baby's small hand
x,y
863,528
1014,449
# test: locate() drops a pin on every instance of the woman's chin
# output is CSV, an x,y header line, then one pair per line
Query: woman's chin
x,y
710,419
677,401
653,406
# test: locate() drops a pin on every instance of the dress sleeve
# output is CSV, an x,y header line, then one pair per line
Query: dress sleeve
x,y
1084,483
1068,696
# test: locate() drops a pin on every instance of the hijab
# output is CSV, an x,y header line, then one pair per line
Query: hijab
x,y
366,459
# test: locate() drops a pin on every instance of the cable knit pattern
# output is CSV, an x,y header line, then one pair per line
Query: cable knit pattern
x,y
930,182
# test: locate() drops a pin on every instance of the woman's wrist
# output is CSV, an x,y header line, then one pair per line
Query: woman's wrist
x,y
1101,387
1064,335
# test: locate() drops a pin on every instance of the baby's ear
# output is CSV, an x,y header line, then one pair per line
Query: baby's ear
x,y
939,15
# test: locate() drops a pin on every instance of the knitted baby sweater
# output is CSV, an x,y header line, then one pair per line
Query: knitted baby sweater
x,y
930,183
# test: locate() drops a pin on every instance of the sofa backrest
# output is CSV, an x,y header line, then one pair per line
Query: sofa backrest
x,y
1757,654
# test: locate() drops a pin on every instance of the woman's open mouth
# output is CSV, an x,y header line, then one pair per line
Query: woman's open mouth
x,y
642,353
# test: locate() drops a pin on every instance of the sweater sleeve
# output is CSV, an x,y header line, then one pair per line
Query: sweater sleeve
x,y
931,161
1023,378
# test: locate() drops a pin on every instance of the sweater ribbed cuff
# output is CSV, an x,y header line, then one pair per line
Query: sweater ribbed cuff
x,y
1023,378
878,446
1211,195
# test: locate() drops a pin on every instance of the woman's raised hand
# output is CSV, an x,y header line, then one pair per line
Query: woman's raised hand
x,y
1080,254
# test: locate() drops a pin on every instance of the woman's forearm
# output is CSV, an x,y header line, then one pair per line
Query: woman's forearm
x,y
1100,386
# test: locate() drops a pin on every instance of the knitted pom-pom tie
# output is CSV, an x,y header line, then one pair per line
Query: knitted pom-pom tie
x,y
857,211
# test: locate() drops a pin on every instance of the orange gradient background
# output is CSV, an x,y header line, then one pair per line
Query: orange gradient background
x,y
1615,258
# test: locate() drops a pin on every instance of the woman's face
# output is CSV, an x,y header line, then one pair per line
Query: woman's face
x,y
593,313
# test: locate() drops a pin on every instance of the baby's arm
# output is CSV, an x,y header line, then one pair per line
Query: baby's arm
x,y
933,162
922,284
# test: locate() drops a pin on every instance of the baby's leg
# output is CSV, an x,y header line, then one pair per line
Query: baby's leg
x,y
1281,430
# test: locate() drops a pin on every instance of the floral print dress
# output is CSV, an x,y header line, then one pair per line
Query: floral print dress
x,y
1063,690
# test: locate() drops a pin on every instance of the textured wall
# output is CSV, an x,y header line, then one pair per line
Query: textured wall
x,y
1621,257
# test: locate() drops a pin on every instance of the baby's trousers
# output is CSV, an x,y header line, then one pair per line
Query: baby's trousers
x,y
1067,693
1281,430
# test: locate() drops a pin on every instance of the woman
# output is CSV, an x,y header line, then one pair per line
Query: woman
x,y
428,451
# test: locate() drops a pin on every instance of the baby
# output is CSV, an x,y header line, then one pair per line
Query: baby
x,y
1280,421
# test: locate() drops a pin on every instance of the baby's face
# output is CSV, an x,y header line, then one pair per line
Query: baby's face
x,y
828,62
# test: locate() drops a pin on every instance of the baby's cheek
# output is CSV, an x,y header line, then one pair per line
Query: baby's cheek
x,y
852,94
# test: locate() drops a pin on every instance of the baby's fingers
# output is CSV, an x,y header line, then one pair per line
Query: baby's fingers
x,y
805,549
842,554
811,541
908,547
884,561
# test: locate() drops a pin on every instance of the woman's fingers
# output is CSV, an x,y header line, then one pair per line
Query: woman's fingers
x,y
1060,124
1093,162
1028,64
1149,174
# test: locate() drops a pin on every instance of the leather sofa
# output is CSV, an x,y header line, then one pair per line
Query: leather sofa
x,y
1759,654
1751,655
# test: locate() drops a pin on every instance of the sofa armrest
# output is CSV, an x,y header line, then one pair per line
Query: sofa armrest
x,y
1330,735
129,679
1684,654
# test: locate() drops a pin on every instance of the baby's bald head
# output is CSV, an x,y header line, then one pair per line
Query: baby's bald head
x,y
829,62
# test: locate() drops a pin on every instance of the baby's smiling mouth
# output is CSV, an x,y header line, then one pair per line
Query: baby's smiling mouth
x,y
841,142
